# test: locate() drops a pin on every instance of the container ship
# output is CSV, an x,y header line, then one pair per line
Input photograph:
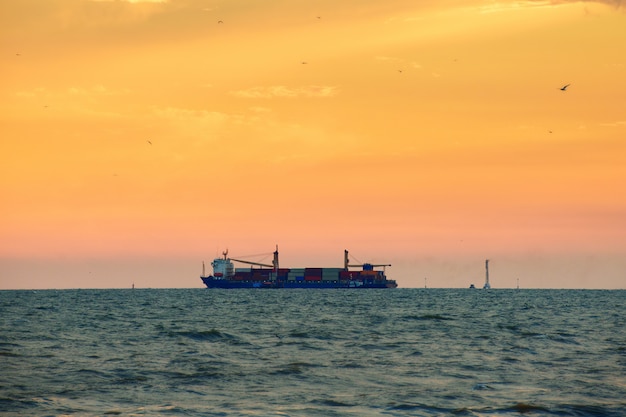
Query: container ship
x,y
260,275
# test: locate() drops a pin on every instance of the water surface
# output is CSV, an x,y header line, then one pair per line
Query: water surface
x,y
402,352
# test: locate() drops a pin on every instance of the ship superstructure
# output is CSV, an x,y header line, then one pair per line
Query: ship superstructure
x,y
260,275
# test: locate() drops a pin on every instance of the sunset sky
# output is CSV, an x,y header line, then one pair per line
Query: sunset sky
x,y
140,138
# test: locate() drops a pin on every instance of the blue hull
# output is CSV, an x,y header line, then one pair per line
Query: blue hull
x,y
212,282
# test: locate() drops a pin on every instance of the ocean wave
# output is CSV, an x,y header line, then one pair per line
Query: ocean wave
x,y
304,354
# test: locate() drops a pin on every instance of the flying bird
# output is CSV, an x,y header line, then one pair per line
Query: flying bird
x,y
149,143
219,21
564,87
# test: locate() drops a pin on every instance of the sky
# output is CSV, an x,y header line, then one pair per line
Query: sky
x,y
141,138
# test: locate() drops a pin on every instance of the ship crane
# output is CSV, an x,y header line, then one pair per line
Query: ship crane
x,y
251,263
274,262
346,263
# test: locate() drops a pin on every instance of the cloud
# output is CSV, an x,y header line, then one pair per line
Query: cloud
x,y
95,90
259,109
37,92
516,5
253,133
399,62
197,119
614,3
618,123
288,92
388,58
132,1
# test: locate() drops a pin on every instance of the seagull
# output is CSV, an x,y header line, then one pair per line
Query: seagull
x,y
219,21
564,87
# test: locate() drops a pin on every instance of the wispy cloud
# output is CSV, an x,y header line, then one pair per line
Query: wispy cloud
x,y
525,4
399,62
258,109
388,58
132,1
36,92
618,123
95,90
199,119
288,92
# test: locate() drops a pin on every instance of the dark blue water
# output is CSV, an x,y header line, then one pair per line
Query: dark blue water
x,y
403,352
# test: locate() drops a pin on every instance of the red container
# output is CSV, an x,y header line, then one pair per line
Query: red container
x,y
312,278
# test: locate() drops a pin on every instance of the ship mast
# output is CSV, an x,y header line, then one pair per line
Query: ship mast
x,y
275,261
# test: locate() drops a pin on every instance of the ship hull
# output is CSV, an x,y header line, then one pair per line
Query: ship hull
x,y
212,282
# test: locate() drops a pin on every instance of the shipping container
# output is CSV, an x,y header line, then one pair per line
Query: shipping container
x,y
312,278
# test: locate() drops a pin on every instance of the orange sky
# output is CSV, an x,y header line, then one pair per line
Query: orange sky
x,y
430,136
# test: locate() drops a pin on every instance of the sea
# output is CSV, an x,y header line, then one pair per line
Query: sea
x,y
268,352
